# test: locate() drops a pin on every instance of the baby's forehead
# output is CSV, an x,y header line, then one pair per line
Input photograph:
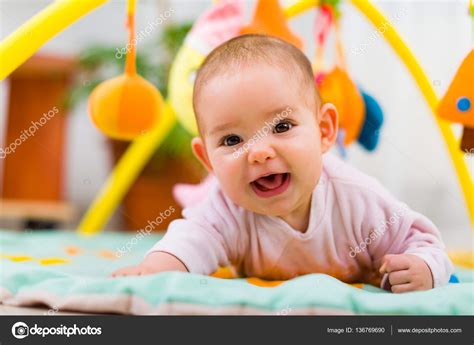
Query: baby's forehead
x,y
286,83
287,69
286,77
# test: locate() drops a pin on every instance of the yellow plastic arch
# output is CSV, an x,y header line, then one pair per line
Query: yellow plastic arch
x,y
16,48
394,39
25,41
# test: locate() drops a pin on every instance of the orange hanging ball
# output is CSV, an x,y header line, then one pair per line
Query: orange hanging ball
x,y
125,107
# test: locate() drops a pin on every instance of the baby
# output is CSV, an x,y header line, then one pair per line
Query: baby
x,y
281,207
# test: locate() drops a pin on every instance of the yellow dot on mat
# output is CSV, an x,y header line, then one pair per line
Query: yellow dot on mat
x,y
53,261
17,258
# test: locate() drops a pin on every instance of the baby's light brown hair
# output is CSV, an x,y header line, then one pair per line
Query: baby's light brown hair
x,y
231,56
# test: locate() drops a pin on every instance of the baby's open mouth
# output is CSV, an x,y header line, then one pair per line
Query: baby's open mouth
x,y
271,185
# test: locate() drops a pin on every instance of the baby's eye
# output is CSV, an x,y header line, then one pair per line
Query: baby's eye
x,y
231,140
282,127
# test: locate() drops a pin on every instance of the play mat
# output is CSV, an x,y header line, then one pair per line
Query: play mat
x,y
65,271
68,270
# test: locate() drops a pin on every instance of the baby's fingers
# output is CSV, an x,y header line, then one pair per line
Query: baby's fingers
x,y
126,271
400,288
399,277
117,273
395,263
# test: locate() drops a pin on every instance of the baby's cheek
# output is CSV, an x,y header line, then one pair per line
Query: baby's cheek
x,y
226,165
303,147
228,171
302,151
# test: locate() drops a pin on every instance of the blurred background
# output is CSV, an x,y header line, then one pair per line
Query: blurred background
x,y
54,176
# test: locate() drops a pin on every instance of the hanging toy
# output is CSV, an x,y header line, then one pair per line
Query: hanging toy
x,y
128,105
216,25
457,103
323,23
336,86
370,133
269,19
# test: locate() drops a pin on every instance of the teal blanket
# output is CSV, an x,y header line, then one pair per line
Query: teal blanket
x,y
65,271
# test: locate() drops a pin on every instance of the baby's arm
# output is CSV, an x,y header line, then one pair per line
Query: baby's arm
x,y
155,262
415,258
390,238
403,245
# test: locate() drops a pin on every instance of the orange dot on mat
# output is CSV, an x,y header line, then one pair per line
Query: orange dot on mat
x,y
107,254
224,273
264,283
72,250
357,285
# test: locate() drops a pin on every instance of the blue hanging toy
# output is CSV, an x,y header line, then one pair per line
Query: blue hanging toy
x,y
370,133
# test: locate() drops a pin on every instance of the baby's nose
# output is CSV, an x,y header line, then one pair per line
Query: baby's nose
x,y
260,152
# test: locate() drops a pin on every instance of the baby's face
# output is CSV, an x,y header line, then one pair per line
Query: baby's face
x,y
262,138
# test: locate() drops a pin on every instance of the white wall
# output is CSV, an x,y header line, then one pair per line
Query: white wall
x,y
411,161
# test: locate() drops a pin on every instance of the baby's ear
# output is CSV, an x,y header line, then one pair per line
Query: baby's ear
x,y
328,125
199,150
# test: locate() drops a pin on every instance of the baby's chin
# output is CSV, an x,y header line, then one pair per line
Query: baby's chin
x,y
271,211
275,207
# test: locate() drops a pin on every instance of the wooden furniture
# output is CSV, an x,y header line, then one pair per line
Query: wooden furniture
x,y
38,214
34,167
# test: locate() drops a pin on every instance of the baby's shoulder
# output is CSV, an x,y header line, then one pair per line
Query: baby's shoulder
x,y
348,180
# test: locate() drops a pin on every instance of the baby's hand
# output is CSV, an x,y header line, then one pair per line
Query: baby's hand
x,y
155,262
406,272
